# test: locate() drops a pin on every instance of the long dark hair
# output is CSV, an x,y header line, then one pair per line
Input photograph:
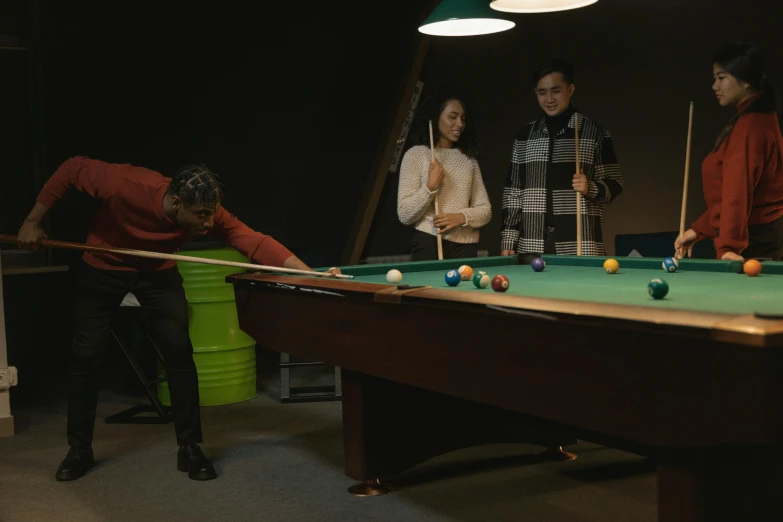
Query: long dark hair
x,y
747,63
431,109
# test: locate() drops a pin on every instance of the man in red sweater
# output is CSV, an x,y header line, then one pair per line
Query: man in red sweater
x,y
141,209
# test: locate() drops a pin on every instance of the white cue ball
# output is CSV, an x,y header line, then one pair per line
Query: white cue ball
x,y
394,276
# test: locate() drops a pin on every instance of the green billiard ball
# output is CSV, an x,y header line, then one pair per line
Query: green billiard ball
x,y
658,288
481,279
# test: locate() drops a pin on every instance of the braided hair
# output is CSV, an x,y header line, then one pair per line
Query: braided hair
x,y
197,185
746,62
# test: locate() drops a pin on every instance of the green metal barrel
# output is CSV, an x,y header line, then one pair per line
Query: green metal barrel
x,y
225,356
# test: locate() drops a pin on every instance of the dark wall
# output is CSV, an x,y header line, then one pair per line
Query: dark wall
x,y
15,132
287,103
290,106
638,66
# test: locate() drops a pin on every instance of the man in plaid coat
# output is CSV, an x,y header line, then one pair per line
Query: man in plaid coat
x,y
539,199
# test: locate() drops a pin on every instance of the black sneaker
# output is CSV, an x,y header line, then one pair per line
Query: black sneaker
x,y
191,459
75,464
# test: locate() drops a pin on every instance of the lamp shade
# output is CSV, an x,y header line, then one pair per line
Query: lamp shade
x,y
464,18
538,6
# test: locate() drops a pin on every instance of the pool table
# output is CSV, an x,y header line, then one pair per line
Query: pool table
x,y
693,380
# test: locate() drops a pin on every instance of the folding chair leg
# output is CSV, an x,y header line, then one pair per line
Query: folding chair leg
x,y
129,416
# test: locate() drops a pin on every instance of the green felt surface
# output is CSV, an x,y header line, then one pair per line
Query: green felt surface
x,y
698,285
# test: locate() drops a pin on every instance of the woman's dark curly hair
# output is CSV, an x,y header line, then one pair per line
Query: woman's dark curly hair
x,y
431,110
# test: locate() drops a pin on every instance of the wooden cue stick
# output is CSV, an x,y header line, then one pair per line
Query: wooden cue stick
x,y
437,203
685,182
4,238
578,194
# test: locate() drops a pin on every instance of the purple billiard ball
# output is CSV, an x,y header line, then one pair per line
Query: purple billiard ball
x,y
538,264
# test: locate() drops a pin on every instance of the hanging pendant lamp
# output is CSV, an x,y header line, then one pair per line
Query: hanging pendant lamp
x,y
538,6
464,18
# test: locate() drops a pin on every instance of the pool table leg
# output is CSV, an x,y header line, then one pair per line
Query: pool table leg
x,y
390,427
737,483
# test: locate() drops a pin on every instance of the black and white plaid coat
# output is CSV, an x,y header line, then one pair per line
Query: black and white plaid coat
x,y
535,158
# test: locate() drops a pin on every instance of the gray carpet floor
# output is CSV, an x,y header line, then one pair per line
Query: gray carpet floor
x,y
283,462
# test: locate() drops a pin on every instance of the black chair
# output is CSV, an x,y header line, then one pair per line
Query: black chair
x,y
129,318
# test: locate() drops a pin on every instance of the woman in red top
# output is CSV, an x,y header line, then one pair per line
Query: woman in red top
x,y
743,175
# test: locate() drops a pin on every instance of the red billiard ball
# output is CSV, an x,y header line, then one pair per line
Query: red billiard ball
x,y
500,283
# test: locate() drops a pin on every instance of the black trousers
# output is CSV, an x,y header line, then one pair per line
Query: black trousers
x,y
424,247
765,241
98,294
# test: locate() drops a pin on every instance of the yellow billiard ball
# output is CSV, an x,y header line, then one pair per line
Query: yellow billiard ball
x,y
611,266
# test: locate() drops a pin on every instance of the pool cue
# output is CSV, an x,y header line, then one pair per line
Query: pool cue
x,y
437,205
4,238
685,182
578,194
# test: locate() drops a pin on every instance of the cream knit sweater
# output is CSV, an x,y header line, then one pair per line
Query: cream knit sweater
x,y
461,192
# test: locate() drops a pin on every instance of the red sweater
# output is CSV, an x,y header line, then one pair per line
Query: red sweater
x,y
131,216
743,182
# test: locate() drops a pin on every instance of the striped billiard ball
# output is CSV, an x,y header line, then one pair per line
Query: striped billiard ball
x,y
670,264
481,279
658,288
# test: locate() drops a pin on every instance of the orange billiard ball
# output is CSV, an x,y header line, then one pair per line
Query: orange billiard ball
x,y
465,273
752,267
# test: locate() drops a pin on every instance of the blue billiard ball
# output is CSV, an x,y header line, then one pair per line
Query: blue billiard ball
x,y
670,264
658,288
538,264
453,278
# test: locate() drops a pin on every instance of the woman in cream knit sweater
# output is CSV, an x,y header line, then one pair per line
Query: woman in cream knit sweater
x,y
454,175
